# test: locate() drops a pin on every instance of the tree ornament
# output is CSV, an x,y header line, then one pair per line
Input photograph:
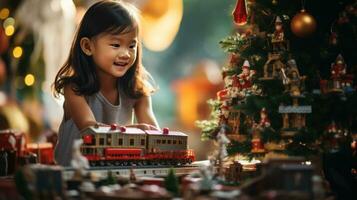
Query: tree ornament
x,y
240,13
303,24
274,2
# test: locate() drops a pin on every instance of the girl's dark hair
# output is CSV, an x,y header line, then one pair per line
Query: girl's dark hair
x,y
79,71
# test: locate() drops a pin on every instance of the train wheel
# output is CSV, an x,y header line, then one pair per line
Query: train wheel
x,y
125,163
116,163
144,162
102,163
92,163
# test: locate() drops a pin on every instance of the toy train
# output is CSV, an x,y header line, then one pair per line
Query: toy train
x,y
123,146
15,151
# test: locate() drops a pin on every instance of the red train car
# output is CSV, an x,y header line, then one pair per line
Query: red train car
x,y
104,145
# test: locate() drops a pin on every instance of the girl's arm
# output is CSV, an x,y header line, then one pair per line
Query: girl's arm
x,y
144,113
76,108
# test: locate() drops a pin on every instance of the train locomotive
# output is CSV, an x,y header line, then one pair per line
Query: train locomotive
x,y
126,146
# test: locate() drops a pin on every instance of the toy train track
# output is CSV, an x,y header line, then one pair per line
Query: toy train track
x,y
140,171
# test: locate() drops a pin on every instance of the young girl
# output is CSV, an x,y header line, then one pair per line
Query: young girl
x,y
103,80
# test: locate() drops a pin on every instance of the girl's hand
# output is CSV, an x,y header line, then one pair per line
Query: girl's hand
x,y
144,126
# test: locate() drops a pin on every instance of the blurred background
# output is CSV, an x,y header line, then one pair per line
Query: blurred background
x,y
180,51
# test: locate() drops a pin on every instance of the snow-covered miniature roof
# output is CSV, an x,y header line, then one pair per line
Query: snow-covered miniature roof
x,y
295,109
172,133
109,129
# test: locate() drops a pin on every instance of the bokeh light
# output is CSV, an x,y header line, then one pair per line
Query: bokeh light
x,y
9,30
17,52
29,79
4,13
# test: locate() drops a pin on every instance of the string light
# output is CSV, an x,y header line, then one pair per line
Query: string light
x,y
17,52
9,22
4,13
29,79
9,30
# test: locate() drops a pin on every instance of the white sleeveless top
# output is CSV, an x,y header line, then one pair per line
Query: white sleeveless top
x,y
103,111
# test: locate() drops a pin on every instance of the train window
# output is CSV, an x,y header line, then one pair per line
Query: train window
x,y
158,141
120,141
101,141
173,141
131,142
109,139
168,141
163,141
180,141
142,142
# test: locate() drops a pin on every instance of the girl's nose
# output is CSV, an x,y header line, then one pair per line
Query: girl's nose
x,y
124,54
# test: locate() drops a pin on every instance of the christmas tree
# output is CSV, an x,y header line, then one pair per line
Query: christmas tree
x,y
289,83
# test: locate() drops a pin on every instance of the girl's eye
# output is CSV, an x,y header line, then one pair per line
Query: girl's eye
x,y
115,45
133,46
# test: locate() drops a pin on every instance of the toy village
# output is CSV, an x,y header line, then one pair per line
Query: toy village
x,y
271,114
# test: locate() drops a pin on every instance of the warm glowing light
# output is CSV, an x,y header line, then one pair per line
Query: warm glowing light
x,y
4,13
161,21
29,79
307,19
39,145
9,30
9,22
17,52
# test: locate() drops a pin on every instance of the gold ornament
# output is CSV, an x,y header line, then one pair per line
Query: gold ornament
x,y
303,24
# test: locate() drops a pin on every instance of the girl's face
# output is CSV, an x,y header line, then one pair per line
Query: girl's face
x,y
114,54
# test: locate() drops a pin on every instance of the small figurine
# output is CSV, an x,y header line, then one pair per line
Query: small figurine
x,y
338,68
264,120
272,66
338,73
292,80
257,143
222,152
245,78
224,112
222,142
79,162
277,38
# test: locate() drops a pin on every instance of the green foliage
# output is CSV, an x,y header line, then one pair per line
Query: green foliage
x,y
171,182
210,127
313,56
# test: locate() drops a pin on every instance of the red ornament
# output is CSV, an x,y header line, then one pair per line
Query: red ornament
x,y
240,13
113,127
165,131
122,129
